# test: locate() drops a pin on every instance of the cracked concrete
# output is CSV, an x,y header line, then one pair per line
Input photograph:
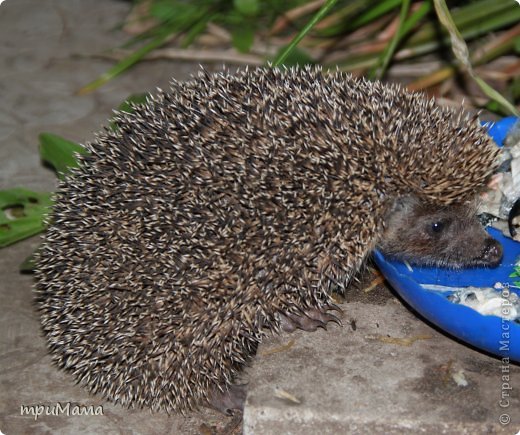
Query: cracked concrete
x,y
344,380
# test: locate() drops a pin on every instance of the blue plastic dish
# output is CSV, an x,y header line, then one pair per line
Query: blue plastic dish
x,y
489,333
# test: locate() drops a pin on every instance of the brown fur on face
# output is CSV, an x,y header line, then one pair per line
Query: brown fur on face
x,y
423,233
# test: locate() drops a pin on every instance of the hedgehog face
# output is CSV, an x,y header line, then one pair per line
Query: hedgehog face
x,y
448,236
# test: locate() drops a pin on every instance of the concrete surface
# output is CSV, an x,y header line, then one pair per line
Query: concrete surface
x,y
347,380
368,380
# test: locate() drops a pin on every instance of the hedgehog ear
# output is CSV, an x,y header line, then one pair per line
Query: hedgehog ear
x,y
403,203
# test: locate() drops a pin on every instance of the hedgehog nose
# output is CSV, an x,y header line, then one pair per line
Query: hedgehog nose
x,y
492,253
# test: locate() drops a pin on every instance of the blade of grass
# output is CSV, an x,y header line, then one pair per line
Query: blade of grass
x,y
141,37
471,20
494,95
491,24
461,52
126,63
378,70
412,48
404,29
495,48
301,34
373,13
349,20
426,39
329,25
192,21
197,28
281,22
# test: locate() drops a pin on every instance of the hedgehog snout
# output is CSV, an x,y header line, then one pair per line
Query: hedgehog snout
x,y
492,252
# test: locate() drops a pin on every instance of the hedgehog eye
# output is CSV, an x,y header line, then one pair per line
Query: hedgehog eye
x,y
437,227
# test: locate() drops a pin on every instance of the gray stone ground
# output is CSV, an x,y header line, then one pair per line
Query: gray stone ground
x,y
42,64
347,380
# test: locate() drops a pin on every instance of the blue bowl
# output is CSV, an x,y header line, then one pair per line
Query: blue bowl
x,y
489,333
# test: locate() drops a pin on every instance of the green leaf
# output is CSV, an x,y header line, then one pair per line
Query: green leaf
x,y
22,214
59,152
515,273
247,7
29,264
128,106
243,38
494,107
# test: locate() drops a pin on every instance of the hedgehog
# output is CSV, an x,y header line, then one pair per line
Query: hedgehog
x,y
232,206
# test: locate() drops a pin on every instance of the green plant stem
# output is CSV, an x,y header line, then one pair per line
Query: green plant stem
x,y
384,60
126,63
301,34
